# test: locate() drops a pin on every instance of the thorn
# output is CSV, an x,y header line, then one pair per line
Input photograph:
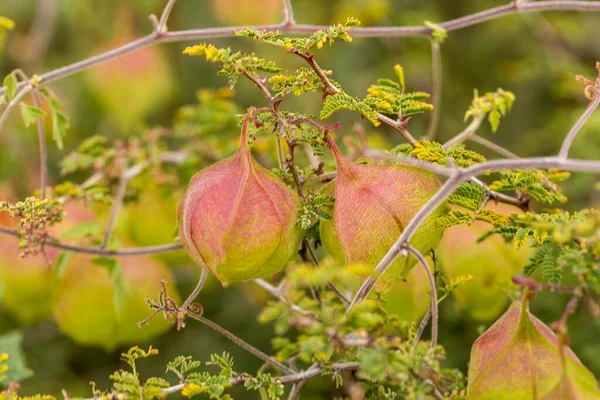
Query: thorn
x,y
404,122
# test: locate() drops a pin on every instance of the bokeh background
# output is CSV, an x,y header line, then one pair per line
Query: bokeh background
x,y
534,55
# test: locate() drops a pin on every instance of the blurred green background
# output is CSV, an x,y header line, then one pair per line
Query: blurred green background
x,y
534,55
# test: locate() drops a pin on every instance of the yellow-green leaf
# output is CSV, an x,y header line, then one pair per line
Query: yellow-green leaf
x,y
10,82
494,119
30,114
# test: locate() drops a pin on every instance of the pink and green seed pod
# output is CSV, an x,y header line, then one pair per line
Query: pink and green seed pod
x,y
238,220
519,357
373,204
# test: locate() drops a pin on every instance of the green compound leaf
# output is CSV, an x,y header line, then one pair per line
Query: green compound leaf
x,y
342,101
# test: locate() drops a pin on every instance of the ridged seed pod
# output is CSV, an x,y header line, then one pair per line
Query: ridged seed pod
x,y
520,357
373,205
238,220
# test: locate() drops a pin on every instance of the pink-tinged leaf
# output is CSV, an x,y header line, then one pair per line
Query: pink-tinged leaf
x,y
373,205
519,357
238,220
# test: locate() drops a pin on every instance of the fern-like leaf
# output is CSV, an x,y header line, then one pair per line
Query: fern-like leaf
x,y
454,217
343,101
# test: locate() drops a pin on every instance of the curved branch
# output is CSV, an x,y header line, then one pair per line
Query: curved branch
x,y
467,133
162,23
433,203
436,91
243,344
42,146
391,31
433,303
288,12
493,146
459,176
28,87
443,171
117,204
566,145
99,251
329,86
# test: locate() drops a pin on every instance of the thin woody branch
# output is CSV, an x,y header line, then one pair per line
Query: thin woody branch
x,y
447,188
18,97
290,163
243,344
274,109
162,23
561,324
406,31
99,251
433,303
570,138
467,133
443,171
457,177
41,135
331,89
288,13
43,149
189,309
118,202
278,293
526,282
493,146
436,92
